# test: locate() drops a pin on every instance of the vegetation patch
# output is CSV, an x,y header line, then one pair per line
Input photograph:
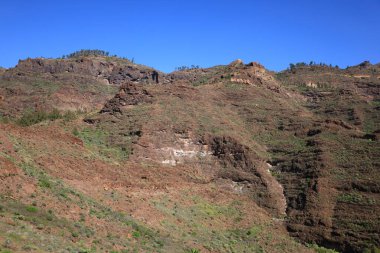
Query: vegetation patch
x,y
47,86
33,117
204,223
100,142
355,198
320,249
145,238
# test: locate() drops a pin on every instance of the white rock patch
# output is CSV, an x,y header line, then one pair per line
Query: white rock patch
x,y
186,150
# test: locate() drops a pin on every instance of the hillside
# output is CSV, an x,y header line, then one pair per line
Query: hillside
x,y
99,154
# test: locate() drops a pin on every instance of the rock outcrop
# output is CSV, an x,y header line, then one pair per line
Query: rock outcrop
x,y
114,70
246,169
129,94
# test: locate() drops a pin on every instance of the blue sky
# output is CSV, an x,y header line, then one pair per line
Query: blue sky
x,y
165,34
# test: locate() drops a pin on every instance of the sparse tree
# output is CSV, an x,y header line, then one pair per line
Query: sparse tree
x,y
88,52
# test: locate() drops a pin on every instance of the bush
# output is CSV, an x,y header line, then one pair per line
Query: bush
x,y
31,209
181,68
30,118
320,249
87,52
136,234
69,115
4,119
44,183
55,114
193,251
75,132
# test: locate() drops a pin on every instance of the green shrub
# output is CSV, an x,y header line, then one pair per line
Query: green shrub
x,y
193,251
320,249
55,114
355,198
372,249
69,115
87,52
44,183
31,209
32,117
75,132
136,234
4,119
5,251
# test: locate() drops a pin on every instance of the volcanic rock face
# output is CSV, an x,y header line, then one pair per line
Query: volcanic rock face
x,y
116,71
129,94
246,169
84,66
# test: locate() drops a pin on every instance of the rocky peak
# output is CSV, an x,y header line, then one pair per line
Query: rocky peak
x,y
365,64
236,63
253,73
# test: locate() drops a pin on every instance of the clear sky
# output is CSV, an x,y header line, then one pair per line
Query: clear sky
x,y
165,34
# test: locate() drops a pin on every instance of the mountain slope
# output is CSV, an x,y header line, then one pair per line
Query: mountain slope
x,y
232,158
